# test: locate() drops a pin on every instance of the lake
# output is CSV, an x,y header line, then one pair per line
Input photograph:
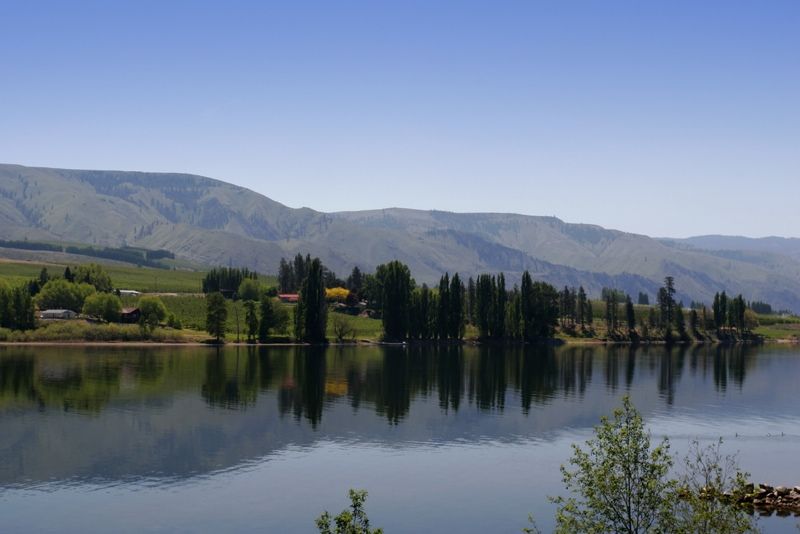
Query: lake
x,y
460,439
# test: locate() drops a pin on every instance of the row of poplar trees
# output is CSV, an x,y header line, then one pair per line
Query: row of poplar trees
x,y
528,312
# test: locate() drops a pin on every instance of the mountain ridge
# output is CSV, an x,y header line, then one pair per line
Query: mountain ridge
x,y
213,222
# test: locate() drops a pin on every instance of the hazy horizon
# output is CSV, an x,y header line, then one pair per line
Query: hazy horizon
x,y
666,120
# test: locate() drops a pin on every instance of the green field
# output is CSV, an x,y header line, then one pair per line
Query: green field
x,y
777,327
144,279
191,311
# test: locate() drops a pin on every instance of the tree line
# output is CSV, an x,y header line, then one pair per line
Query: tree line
x,y
226,280
668,318
292,274
525,313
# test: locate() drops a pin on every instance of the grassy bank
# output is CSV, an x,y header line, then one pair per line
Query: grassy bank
x,y
90,332
191,311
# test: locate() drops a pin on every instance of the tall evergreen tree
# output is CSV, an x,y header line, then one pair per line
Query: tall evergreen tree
x,y
669,287
484,300
311,313
471,300
251,320
723,309
611,312
397,288
355,281
514,316
527,305
267,320
443,321
500,299
286,281
589,314
693,321
717,310
216,315
422,316
583,310
680,321
301,267
630,315
24,313
545,310
455,316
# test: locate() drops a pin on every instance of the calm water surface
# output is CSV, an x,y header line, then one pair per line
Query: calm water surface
x,y
456,439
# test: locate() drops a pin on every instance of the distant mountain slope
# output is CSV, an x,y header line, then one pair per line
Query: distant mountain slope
x,y
213,222
774,245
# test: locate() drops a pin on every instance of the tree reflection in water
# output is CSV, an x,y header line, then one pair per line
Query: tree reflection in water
x,y
385,379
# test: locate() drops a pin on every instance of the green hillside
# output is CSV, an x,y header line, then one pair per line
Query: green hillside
x,y
211,222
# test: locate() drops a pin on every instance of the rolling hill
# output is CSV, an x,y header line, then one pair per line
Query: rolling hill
x,y
213,222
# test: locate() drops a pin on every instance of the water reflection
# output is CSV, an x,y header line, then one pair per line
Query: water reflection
x,y
387,379
102,412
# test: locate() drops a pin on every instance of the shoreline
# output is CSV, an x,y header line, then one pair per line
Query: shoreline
x,y
373,343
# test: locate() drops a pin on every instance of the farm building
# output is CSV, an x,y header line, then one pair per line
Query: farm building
x,y
57,314
130,315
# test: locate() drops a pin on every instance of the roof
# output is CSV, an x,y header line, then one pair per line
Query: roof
x,y
57,311
126,311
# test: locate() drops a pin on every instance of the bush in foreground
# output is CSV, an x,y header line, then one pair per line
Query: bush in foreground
x,y
352,521
621,484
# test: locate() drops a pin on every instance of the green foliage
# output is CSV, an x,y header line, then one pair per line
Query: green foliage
x,y
620,482
94,275
83,331
355,281
267,320
61,294
106,306
226,280
174,322
291,275
422,317
343,329
311,313
249,289
630,314
6,306
216,315
349,521
153,312
539,307
397,287
708,492
16,308
251,320
23,308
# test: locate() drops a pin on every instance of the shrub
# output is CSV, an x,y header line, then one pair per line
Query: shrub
x,y
352,521
153,312
106,306
61,294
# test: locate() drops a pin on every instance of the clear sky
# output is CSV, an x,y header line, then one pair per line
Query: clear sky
x,y
670,118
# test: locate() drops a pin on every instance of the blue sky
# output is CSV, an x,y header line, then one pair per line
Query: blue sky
x,y
670,118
